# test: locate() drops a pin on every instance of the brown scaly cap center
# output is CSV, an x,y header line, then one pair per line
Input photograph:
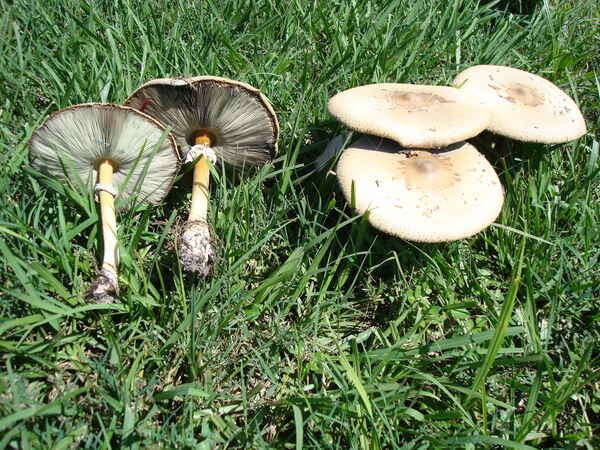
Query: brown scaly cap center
x,y
427,171
521,94
425,167
410,101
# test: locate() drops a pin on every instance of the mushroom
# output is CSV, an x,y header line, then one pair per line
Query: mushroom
x,y
413,115
420,195
211,118
115,151
523,106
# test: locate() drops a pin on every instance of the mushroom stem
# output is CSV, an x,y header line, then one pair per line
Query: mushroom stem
x,y
196,247
200,194
109,219
106,286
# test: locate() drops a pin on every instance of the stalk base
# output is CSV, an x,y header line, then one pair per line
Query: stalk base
x,y
196,248
105,289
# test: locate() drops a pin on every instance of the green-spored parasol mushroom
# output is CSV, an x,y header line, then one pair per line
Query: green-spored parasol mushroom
x,y
420,195
212,119
115,151
417,116
523,106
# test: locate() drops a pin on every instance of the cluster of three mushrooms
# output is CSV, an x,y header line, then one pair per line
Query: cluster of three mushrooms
x,y
133,153
414,174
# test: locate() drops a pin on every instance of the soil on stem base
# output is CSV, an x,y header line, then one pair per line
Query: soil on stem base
x,y
105,289
197,252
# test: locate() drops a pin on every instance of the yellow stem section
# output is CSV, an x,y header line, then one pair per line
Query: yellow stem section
x,y
200,194
109,219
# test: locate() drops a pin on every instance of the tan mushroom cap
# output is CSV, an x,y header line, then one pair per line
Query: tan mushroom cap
x,y
412,115
238,116
421,195
523,106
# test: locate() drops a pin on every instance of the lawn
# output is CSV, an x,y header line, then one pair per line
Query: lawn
x,y
316,330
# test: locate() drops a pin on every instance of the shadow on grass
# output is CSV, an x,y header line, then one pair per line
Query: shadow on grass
x,y
502,152
524,7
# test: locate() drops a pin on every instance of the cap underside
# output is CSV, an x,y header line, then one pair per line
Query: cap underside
x,y
523,106
413,115
238,117
71,144
421,195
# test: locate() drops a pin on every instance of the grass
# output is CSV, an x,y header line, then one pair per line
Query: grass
x,y
317,331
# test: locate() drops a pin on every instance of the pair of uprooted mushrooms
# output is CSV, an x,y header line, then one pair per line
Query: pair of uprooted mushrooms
x,y
133,153
426,186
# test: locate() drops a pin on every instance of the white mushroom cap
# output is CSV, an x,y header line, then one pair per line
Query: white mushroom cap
x,y
523,106
421,195
238,116
72,142
412,115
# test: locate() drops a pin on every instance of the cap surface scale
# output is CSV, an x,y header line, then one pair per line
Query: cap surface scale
x,y
238,117
523,106
412,115
420,195
72,142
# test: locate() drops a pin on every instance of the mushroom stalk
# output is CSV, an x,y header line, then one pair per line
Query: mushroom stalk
x,y
200,194
106,286
196,247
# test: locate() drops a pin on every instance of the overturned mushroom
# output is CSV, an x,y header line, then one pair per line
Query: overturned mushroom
x,y
420,195
212,119
413,115
523,106
114,150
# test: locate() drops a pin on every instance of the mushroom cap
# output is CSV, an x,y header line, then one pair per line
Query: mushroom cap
x,y
412,115
238,116
421,195
72,142
523,106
